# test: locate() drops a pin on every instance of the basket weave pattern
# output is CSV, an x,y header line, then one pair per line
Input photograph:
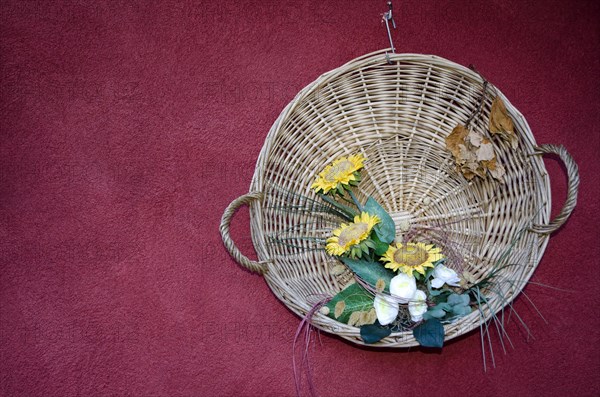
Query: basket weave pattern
x,y
398,116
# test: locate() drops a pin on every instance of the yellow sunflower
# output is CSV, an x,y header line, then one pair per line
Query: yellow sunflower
x,y
338,175
349,235
411,257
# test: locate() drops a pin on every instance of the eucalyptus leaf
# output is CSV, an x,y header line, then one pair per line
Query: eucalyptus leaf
x,y
436,312
461,310
386,229
370,271
355,298
465,299
430,333
374,333
456,299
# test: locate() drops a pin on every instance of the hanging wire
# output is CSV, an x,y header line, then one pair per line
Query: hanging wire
x,y
387,17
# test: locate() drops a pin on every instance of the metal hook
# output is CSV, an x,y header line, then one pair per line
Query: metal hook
x,y
387,17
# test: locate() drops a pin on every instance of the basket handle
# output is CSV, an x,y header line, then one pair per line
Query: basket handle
x,y
573,188
253,266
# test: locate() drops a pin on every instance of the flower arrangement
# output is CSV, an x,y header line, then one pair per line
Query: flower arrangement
x,y
402,285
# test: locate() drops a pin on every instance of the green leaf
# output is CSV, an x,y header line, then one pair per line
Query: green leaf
x,y
430,270
355,297
436,312
465,299
364,248
461,310
380,247
386,229
430,333
456,299
374,333
370,271
370,243
439,296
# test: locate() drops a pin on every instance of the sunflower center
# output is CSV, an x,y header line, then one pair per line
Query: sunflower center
x,y
410,255
338,170
352,233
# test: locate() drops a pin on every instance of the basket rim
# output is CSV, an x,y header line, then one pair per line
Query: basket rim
x,y
398,339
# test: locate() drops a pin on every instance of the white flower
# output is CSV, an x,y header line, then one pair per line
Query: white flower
x,y
403,287
443,274
417,306
386,309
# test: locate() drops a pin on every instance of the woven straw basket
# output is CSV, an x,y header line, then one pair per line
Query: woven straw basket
x,y
397,114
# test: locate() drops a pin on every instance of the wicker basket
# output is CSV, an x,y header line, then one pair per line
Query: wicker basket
x,y
397,114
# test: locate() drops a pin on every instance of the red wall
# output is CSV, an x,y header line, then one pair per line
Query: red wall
x,y
127,127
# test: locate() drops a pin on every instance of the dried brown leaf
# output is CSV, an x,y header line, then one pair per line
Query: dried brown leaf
x,y
354,319
360,318
498,173
467,280
339,308
468,276
380,285
467,173
466,154
485,152
502,124
371,316
455,139
473,153
364,318
475,138
495,169
472,168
